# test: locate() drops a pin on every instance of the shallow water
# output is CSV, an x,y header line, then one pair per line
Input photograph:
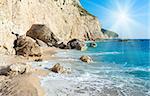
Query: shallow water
x,y
119,69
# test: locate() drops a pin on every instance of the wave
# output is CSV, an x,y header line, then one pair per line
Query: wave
x,y
139,69
78,53
105,53
88,84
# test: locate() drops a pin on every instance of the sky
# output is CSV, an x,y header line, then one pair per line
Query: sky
x,y
128,18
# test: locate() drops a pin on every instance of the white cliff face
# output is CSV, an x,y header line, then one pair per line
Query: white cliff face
x,y
66,18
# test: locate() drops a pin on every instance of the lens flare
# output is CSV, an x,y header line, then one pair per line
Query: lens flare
x,y
129,18
122,17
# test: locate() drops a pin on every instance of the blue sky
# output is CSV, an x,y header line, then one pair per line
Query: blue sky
x,y
129,18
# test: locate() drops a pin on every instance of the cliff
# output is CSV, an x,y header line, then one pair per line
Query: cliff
x,y
109,34
67,19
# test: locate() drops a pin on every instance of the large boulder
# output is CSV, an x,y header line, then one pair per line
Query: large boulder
x,y
76,44
42,32
16,69
57,68
86,59
62,45
20,68
26,46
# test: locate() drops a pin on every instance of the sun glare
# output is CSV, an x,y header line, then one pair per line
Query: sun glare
x,y
122,16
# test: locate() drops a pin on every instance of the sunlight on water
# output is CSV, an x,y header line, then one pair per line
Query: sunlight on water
x,y
116,71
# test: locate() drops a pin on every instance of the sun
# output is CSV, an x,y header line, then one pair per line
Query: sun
x,y
122,17
129,18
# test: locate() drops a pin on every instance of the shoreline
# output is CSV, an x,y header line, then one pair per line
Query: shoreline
x,y
18,85
84,77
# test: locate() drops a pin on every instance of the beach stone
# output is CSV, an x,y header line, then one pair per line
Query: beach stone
x,y
26,46
76,44
20,68
93,44
43,33
86,59
57,68
16,69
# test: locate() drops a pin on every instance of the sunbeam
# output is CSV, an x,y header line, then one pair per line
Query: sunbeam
x,y
129,18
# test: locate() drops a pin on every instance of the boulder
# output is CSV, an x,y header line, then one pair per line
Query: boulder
x,y
16,69
76,44
61,46
41,43
86,59
43,33
57,68
26,46
20,68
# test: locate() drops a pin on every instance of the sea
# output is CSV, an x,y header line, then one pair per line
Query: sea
x,y
119,68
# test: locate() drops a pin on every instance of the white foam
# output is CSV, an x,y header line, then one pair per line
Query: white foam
x,y
106,53
84,80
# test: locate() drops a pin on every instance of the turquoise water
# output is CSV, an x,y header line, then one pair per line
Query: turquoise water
x,y
119,69
133,56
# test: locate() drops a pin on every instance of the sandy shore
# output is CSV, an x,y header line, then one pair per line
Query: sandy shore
x,y
25,84
48,53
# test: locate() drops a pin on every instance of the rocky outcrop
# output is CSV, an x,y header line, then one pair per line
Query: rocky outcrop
x,y
26,46
67,19
109,34
76,44
86,59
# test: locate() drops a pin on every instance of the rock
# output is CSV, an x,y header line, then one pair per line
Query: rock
x,y
76,44
38,60
86,59
123,40
16,69
20,68
67,19
26,46
109,34
62,46
93,44
41,43
43,33
57,68
6,42
6,50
